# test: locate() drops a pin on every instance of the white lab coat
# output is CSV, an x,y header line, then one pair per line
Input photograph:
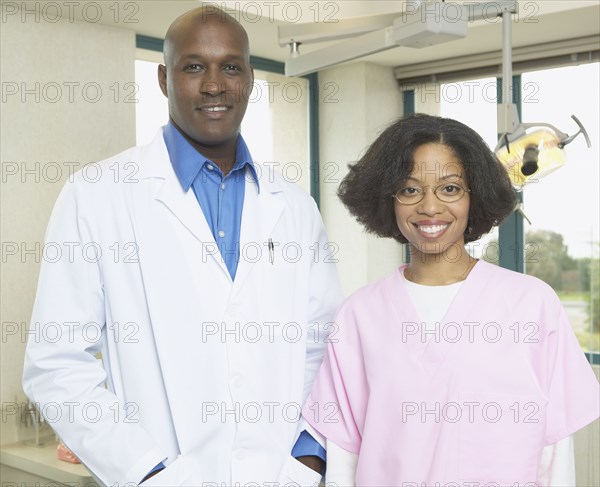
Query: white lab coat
x,y
205,374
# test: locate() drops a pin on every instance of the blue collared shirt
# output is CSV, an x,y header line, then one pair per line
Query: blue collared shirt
x,y
220,197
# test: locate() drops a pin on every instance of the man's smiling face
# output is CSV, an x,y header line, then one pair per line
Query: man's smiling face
x,y
207,79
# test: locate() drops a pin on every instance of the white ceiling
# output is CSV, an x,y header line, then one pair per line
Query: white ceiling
x,y
538,22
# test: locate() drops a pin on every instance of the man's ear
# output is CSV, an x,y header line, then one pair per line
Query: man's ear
x,y
162,79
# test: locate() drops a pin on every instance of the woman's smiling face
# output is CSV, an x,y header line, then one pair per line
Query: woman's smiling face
x,y
433,226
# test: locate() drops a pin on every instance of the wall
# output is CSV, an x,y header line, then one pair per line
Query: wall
x,y
357,102
64,86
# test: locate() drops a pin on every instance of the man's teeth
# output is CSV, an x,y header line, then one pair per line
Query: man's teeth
x,y
215,109
432,228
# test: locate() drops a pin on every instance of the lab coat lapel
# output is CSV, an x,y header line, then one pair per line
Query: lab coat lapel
x,y
440,350
181,297
260,215
183,205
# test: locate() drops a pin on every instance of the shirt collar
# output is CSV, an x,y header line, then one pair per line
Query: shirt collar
x,y
187,161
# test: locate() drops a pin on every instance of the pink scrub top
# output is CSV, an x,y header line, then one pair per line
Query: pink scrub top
x,y
470,404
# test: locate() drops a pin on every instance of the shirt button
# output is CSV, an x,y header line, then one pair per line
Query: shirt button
x,y
221,233
241,454
210,167
222,185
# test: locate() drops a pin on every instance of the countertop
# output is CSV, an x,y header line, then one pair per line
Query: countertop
x,y
43,461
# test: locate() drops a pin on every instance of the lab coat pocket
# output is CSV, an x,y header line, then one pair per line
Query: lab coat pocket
x,y
500,438
296,474
182,472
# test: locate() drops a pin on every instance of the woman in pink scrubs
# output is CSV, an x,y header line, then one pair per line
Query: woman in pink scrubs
x,y
450,371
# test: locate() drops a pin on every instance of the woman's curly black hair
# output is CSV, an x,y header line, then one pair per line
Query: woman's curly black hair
x,y
368,188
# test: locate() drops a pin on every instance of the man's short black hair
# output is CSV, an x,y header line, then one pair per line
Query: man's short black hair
x,y
368,188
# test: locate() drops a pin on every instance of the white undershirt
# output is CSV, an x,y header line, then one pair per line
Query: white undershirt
x,y
557,465
431,302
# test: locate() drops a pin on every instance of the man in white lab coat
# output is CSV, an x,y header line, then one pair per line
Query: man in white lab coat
x,y
205,281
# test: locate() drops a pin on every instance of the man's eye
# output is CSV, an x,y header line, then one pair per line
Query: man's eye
x,y
231,67
193,67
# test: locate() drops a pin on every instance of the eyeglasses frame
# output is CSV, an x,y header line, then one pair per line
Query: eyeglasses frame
x,y
466,190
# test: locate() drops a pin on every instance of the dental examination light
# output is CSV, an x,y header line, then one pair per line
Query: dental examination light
x,y
528,151
535,154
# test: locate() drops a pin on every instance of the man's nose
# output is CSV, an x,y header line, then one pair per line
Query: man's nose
x,y
213,82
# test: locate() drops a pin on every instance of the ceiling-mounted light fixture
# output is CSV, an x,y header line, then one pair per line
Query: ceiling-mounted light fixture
x,y
421,24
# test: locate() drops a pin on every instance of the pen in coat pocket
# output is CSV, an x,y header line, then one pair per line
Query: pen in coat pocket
x,y
271,251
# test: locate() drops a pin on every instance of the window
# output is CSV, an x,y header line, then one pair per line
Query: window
x,y
151,110
562,240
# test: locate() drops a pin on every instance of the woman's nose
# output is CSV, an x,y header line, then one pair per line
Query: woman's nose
x,y
430,204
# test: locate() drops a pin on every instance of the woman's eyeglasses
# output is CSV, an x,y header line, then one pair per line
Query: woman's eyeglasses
x,y
448,193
